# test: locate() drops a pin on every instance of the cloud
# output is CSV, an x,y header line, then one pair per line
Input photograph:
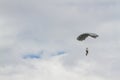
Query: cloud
x,y
32,26
46,69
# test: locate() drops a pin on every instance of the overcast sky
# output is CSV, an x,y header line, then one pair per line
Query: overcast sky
x,y
38,40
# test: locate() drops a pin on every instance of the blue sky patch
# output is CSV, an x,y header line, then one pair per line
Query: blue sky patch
x,y
32,56
41,55
59,53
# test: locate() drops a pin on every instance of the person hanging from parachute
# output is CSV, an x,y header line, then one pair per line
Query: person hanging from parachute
x,y
86,51
84,36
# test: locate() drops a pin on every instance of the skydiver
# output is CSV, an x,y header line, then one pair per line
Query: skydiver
x,y
86,51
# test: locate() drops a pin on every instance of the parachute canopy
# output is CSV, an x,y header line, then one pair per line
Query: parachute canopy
x,y
85,35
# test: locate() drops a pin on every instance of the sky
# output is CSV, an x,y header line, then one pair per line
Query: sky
x,y
38,39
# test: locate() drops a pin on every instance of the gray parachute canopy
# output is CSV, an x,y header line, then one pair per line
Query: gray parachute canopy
x,y
85,35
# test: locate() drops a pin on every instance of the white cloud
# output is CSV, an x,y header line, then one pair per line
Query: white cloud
x,y
47,69
52,26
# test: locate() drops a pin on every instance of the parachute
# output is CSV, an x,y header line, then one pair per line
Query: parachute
x,y
85,35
